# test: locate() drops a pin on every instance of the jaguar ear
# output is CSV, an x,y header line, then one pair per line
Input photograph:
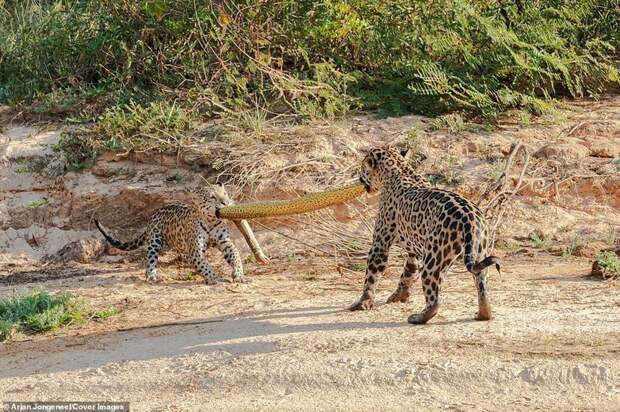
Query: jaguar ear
x,y
404,151
370,160
375,157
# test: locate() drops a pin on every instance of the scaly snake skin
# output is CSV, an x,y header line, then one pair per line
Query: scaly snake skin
x,y
303,204
248,234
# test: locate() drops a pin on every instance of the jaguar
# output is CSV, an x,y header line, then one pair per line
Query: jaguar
x,y
433,227
189,229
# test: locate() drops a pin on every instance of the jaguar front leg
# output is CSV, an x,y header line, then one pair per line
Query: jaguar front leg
x,y
199,259
231,255
376,264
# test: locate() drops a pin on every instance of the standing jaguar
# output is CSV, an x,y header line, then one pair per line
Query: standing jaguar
x,y
433,226
190,229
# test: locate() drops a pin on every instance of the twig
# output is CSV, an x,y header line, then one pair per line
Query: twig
x,y
163,325
292,238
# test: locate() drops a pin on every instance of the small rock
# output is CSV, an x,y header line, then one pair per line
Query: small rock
x,y
82,251
602,147
570,150
101,171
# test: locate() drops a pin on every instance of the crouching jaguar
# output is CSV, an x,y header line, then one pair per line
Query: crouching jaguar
x,y
190,229
433,227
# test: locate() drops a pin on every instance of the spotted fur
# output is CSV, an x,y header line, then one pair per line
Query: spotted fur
x,y
189,229
432,226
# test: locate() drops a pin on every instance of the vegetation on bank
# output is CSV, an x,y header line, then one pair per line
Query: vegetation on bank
x,y
608,264
38,311
148,72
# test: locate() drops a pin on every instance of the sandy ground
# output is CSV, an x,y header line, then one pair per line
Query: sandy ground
x,y
285,342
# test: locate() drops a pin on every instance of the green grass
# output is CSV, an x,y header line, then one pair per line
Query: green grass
x,y
451,175
453,123
77,149
540,242
106,313
496,170
575,244
38,311
159,126
358,266
35,204
22,168
610,262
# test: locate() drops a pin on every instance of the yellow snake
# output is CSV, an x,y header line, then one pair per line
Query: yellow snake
x,y
302,204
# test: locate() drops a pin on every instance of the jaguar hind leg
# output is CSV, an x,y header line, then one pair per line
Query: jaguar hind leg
x,y
152,255
431,285
204,268
410,274
484,307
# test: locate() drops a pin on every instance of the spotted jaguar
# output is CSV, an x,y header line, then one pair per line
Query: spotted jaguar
x,y
433,226
190,229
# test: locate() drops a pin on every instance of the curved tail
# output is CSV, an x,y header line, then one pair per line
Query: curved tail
x,y
470,260
131,245
477,267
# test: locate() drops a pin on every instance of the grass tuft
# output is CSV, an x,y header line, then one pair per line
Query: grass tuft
x,y
540,242
38,311
610,262
106,313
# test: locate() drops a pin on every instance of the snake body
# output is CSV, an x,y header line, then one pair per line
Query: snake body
x,y
302,204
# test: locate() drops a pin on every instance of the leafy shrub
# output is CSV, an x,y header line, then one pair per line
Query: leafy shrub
x,y
305,58
38,311
76,150
158,126
610,263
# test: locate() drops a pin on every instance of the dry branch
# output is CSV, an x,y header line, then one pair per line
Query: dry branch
x,y
495,208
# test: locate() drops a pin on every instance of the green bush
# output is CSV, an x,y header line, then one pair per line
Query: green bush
x,y
38,311
156,126
305,58
610,262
